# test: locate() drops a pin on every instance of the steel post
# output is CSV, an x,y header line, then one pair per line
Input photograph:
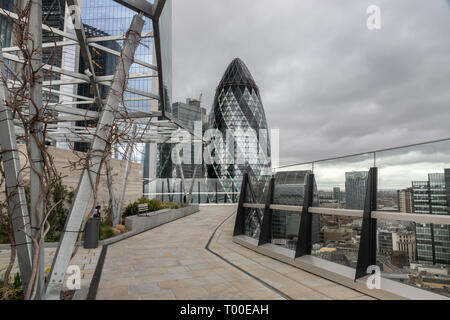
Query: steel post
x,y
129,154
239,228
37,142
367,255
112,197
304,242
265,236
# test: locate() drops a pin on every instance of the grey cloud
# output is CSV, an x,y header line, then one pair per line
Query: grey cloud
x,y
329,84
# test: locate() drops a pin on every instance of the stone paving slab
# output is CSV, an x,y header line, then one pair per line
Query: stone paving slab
x,y
171,262
86,259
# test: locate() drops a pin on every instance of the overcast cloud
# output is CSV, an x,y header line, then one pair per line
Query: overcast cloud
x,y
329,84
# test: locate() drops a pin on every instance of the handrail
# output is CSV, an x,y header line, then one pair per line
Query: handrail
x,y
361,154
382,215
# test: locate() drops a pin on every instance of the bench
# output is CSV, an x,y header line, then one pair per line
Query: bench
x,y
142,208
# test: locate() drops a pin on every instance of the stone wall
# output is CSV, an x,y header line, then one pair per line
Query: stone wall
x,y
63,157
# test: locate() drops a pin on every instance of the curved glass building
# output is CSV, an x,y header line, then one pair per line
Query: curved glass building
x,y
238,109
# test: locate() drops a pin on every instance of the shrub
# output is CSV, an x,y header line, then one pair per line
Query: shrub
x,y
174,205
153,205
106,232
132,209
14,291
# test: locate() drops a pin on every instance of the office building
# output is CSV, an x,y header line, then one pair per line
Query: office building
x,y
405,241
355,189
433,241
405,200
238,108
384,243
190,114
337,194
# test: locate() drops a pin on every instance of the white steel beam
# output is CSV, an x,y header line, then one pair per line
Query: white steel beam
x,y
14,183
99,147
36,184
109,181
128,153
139,6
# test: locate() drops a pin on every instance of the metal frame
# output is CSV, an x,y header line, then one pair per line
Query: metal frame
x,y
367,254
112,197
367,248
128,153
239,225
14,183
265,235
304,242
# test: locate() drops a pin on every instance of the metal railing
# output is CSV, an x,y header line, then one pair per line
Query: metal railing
x,y
399,167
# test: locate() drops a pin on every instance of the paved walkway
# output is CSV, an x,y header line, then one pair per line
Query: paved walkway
x,y
171,262
86,259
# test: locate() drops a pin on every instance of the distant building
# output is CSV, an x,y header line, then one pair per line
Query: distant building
x,y
337,194
405,200
188,114
355,189
385,242
405,241
433,241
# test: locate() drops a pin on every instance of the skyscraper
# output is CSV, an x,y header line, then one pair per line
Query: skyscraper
x,y
53,16
355,189
5,26
238,108
104,64
433,241
337,194
405,200
190,114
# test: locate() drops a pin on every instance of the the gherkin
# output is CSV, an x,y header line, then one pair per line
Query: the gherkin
x,y
238,107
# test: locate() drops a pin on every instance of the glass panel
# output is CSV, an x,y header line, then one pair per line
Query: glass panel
x,y
290,185
289,190
415,180
259,188
285,227
341,184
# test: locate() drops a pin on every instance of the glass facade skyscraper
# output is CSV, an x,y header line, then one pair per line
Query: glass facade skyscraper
x,y
190,114
433,241
237,108
355,189
5,26
105,17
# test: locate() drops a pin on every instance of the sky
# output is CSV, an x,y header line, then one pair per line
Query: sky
x,y
332,86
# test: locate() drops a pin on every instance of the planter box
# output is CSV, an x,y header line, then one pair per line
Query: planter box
x,y
155,219
139,224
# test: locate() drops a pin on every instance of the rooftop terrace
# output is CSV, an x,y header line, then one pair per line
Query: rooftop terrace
x,y
195,258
